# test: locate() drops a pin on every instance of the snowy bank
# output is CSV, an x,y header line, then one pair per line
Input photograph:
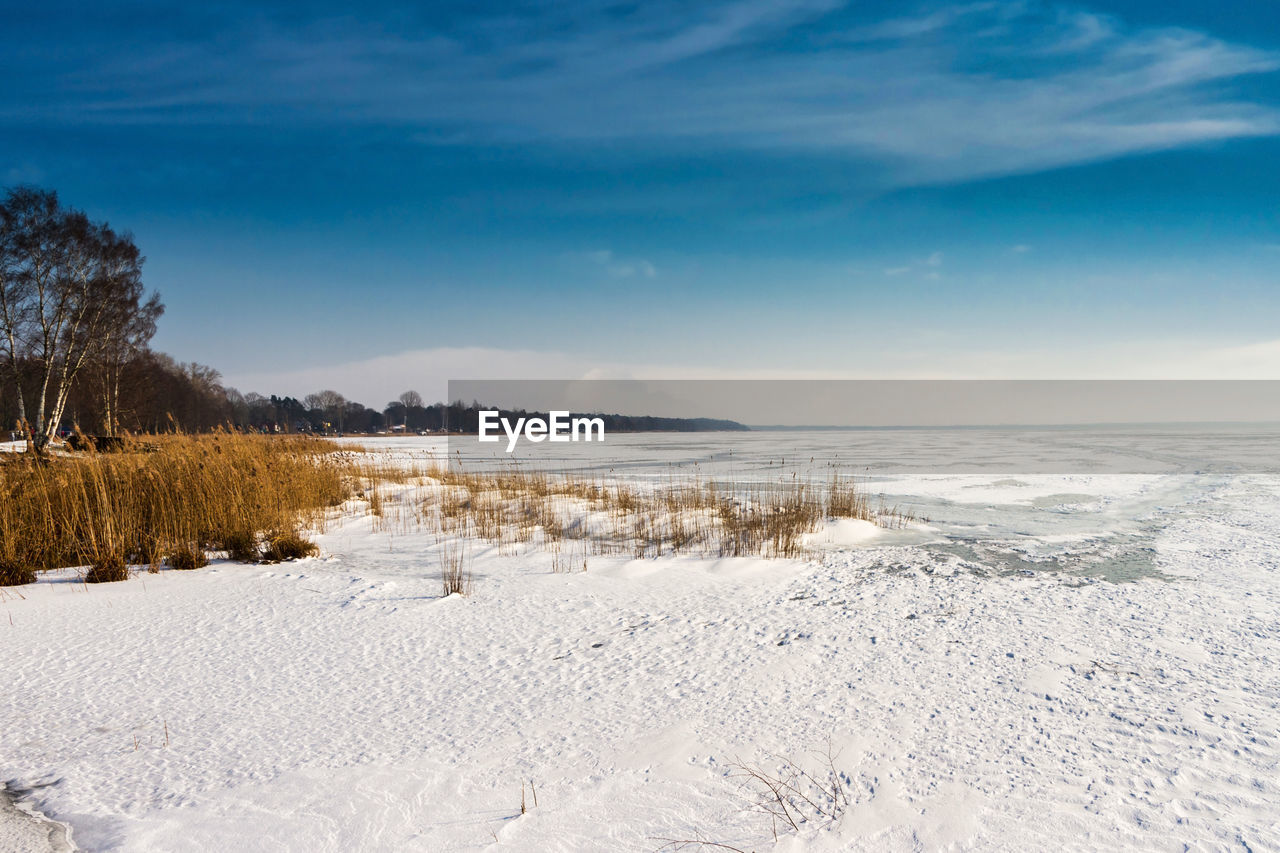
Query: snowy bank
x,y
974,694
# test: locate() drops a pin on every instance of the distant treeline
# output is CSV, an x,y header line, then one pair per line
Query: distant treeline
x,y
329,412
628,423
158,394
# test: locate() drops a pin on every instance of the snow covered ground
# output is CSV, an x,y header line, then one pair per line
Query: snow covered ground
x,y
1053,662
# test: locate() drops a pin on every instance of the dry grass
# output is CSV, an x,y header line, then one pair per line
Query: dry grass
x,y
567,559
288,546
161,498
188,559
15,574
517,509
108,568
455,569
241,546
793,794
698,842
172,498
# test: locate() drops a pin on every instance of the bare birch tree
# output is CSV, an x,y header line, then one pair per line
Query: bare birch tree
x,y
70,292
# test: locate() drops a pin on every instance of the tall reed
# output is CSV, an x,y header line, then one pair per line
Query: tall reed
x,y
164,497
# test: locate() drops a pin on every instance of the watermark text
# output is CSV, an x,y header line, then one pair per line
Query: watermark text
x,y
559,426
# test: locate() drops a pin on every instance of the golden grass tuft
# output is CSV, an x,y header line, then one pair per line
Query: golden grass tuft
x,y
241,546
15,574
107,568
288,546
154,498
187,559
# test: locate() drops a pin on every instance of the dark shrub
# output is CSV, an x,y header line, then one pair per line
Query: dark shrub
x,y
13,574
288,546
242,546
186,559
108,568
100,443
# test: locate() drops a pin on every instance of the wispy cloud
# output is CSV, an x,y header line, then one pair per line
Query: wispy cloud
x,y
956,92
24,174
616,267
375,380
928,266
947,17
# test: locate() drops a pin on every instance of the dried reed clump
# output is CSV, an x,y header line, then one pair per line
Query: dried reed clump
x,y
455,569
153,499
241,546
15,574
107,568
288,546
845,500
188,559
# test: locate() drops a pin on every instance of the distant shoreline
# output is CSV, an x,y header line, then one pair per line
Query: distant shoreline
x,y
1100,425
475,434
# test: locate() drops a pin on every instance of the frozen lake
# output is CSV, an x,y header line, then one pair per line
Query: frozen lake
x,y
1087,501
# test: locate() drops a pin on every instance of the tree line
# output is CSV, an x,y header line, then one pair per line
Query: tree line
x,y
76,324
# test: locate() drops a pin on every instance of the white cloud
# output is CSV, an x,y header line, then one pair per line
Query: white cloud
x,y
1259,360
618,267
374,381
1020,249
927,265
896,29
958,93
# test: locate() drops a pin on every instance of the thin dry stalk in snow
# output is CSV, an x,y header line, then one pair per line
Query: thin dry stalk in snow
x,y
455,574
697,843
793,795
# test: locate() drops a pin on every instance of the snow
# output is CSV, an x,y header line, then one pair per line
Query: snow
x,y
23,830
845,533
1015,674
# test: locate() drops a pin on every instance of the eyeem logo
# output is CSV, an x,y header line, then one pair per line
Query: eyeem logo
x,y
560,427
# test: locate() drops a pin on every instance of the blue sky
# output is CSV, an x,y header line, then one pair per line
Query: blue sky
x,y
392,196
